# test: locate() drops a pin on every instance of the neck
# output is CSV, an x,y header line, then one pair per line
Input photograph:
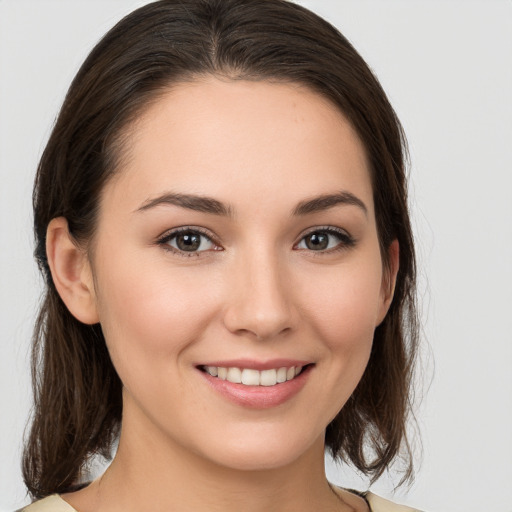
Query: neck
x,y
175,480
153,472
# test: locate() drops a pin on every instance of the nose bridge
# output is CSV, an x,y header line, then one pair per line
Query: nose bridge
x,y
260,296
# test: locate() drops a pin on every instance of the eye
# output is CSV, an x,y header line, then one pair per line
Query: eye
x,y
188,240
326,239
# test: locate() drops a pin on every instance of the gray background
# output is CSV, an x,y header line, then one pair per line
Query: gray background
x,y
446,66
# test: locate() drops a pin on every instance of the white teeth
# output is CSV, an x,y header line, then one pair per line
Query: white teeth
x,y
212,370
234,375
251,377
268,378
281,375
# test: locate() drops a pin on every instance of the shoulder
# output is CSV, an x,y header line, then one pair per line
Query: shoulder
x,y
55,503
52,503
378,504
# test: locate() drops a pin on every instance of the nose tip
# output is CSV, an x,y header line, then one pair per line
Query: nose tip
x,y
262,324
261,305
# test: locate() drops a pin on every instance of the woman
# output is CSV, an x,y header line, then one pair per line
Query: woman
x,y
221,219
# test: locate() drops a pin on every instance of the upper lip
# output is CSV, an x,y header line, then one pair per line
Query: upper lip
x,y
254,364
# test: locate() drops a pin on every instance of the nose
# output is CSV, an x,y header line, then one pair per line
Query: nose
x,y
260,298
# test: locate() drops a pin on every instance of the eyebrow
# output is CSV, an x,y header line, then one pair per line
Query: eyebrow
x,y
326,201
191,202
213,206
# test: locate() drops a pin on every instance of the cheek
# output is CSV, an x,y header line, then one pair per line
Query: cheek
x,y
349,301
344,307
149,314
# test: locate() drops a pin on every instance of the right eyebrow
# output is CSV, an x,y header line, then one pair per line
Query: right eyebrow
x,y
190,201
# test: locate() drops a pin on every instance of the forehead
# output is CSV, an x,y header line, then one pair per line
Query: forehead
x,y
248,141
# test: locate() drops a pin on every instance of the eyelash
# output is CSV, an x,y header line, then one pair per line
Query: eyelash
x,y
346,241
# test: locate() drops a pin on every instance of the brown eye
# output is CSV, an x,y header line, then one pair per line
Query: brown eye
x,y
317,241
326,239
188,241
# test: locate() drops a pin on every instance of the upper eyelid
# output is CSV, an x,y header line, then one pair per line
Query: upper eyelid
x,y
330,229
207,232
325,228
180,229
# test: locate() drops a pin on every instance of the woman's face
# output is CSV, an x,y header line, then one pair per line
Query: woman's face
x,y
239,239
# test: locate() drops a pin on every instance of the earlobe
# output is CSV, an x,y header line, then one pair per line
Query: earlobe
x,y
71,272
389,279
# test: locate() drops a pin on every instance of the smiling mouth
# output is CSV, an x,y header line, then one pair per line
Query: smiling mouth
x,y
251,377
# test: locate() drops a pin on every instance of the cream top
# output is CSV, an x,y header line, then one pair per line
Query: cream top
x,y
55,503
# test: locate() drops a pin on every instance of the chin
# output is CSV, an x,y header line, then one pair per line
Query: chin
x,y
264,454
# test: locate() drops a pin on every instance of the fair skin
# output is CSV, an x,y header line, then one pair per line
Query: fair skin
x,y
259,280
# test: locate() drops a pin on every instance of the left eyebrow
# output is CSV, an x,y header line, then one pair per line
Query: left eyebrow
x,y
324,202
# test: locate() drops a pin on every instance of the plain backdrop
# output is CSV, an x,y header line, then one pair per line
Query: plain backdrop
x,y
446,66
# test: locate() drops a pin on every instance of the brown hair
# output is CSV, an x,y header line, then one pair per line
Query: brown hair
x,y
77,392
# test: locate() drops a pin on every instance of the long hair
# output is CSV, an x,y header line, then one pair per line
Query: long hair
x,y
78,403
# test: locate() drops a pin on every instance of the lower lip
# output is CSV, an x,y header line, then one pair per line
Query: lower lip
x,y
258,397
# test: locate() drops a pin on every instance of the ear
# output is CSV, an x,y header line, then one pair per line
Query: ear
x,y
71,272
389,280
